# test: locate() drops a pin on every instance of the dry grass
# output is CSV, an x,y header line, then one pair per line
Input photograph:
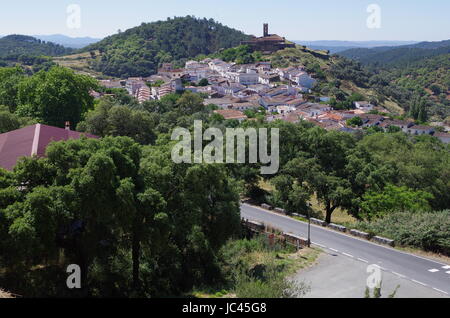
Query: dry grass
x,y
79,63
4,294
338,216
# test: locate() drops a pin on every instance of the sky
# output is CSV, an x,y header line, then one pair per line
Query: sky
x,y
406,20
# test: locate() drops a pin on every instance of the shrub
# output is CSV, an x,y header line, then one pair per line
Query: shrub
x,y
426,230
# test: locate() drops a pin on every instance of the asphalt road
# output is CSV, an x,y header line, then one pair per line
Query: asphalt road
x,y
417,269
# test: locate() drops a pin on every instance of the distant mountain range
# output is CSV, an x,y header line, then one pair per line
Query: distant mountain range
x,y
398,55
67,41
339,46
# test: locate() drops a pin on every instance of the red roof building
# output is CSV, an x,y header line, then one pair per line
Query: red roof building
x,y
32,141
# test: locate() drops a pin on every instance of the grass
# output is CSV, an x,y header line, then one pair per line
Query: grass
x,y
339,216
79,63
286,260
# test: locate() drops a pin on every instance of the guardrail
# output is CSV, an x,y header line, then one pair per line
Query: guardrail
x,y
383,240
318,222
360,234
280,210
336,227
288,238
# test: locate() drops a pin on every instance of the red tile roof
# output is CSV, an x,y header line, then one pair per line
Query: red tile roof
x,y
30,141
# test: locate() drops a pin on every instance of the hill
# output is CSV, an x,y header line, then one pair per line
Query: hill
x,y
67,41
339,46
140,50
400,55
12,46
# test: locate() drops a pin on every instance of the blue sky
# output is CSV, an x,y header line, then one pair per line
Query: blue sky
x,y
415,20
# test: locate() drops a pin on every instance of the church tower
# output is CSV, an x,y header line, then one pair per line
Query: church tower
x,y
266,29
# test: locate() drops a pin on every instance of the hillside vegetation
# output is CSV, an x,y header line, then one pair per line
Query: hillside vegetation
x,y
13,46
396,56
140,50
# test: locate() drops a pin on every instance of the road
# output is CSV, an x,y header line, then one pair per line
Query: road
x,y
417,269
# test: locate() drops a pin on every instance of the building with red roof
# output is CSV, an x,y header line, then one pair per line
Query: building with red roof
x,y
32,141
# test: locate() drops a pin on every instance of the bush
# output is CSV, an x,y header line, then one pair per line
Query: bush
x,y
427,230
252,270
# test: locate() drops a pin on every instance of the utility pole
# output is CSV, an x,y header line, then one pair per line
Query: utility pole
x,y
309,224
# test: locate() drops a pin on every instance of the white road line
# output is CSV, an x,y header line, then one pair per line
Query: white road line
x,y
420,283
399,275
323,246
448,272
363,260
349,255
446,267
441,291
342,234
433,270
334,250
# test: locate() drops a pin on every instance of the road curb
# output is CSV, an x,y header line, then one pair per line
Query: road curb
x,y
335,227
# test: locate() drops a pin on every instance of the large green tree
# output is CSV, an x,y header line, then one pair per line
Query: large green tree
x,y
55,96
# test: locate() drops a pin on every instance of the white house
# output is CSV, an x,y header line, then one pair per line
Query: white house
x,y
303,79
364,105
419,130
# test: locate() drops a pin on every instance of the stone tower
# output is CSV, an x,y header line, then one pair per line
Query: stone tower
x,y
266,29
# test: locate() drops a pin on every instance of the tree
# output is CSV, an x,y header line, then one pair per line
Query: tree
x,y
111,119
9,86
203,82
355,121
56,96
392,199
190,103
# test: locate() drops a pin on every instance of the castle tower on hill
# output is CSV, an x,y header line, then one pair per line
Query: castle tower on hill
x,y
266,29
268,43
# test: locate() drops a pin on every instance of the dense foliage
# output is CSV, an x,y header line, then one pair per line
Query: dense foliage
x,y
399,56
408,75
421,86
135,222
140,51
51,97
425,230
242,54
13,46
256,269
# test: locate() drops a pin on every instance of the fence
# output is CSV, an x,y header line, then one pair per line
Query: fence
x,y
275,234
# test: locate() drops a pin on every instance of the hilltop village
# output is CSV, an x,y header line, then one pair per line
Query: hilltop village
x,y
278,93
241,90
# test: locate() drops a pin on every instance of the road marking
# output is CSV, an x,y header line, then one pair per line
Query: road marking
x,y
446,267
448,272
420,283
334,250
433,270
363,260
349,255
399,275
323,246
441,291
